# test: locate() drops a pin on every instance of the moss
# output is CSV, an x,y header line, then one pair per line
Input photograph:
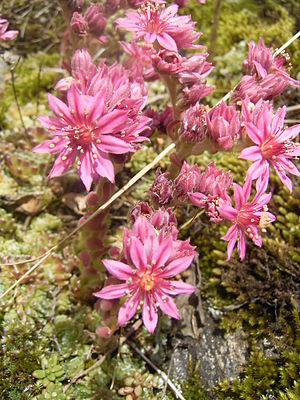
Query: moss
x,y
21,347
29,84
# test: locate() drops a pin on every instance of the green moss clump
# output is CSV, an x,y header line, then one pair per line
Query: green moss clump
x,y
21,347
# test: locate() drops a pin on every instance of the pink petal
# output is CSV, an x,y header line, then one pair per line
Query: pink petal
x,y
60,109
253,133
176,266
86,170
97,107
138,254
103,166
112,291
143,229
112,144
252,153
167,41
163,253
231,244
231,233
238,196
242,246
47,146
149,313
166,304
118,269
198,199
129,308
60,165
228,212
177,287
113,122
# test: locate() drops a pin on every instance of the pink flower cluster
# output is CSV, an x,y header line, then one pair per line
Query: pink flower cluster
x,y
150,258
101,117
160,25
266,76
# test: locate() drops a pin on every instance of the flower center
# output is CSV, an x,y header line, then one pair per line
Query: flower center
x,y
147,281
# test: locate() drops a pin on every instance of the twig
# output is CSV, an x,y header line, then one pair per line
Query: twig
x,y
12,73
286,44
191,220
131,182
123,339
158,371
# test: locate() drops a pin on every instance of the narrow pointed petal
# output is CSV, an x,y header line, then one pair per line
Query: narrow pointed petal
x,y
163,253
138,254
86,169
167,305
177,287
129,308
149,313
118,269
167,41
112,291
242,246
176,266
112,144
252,153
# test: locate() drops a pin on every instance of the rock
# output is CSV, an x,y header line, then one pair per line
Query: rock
x,y
221,355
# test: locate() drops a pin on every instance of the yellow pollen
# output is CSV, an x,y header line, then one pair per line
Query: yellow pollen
x,y
52,127
64,158
51,145
147,282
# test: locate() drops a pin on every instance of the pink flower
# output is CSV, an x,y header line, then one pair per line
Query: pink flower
x,y
152,260
86,128
273,144
261,62
266,75
139,62
154,22
6,35
247,217
223,125
193,127
210,192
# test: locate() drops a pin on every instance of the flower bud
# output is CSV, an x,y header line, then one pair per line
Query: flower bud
x,y
161,189
78,24
95,19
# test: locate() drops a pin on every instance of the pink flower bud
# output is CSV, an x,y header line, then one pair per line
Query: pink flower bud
x,y
161,189
187,181
103,331
223,125
78,24
167,62
95,19
193,127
